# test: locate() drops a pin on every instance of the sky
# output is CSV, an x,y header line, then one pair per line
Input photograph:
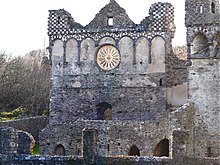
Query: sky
x,y
23,25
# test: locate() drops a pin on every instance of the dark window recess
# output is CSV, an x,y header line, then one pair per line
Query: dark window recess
x,y
104,111
209,152
161,82
108,147
59,150
162,148
213,7
134,151
58,19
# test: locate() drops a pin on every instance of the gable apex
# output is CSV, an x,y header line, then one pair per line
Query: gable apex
x,y
111,16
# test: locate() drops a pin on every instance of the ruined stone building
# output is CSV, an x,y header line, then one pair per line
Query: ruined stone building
x,y
123,80
119,90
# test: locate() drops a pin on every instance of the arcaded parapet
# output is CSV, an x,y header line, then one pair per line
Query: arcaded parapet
x,y
111,70
114,62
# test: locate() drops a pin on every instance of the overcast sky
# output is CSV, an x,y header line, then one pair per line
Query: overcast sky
x,y
24,22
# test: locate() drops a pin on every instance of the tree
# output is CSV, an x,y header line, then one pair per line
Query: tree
x,y
25,82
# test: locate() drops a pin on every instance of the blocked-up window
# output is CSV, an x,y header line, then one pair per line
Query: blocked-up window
x,y
59,150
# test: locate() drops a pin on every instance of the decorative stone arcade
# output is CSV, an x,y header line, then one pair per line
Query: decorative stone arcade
x,y
112,76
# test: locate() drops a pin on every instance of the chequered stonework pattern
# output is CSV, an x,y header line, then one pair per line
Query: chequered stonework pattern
x,y
62,26
162,15
57,23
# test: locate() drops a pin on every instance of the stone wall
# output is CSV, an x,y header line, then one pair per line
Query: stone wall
x,y
31,125
201,12
135,88
114,137
68,160
206,97
9,156
203,45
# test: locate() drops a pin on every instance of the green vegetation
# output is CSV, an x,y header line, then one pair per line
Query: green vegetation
x,y
18,113
36,149
14,114
24,85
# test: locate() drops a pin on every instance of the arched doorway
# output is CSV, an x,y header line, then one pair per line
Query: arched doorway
x,y
162,148
134,151
59,150
104,111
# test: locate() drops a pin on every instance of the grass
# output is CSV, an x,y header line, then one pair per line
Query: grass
x,y
36,149
11,115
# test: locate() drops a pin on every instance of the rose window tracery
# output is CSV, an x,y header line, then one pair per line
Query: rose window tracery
x,y
108,57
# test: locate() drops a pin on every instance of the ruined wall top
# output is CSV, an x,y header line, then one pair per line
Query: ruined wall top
x,y
112,18
202,20
202,12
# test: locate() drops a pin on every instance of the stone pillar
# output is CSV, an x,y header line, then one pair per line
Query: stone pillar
x,y
90,145
179,145
8,144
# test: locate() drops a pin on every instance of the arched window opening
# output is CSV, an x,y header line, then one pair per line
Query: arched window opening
x,y
104,111
162,148
59,150
200,44
213,7
134,151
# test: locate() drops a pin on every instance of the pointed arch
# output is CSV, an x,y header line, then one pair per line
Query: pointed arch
x,y
162,148
142,53
200,42
87,54
71,51
107,40
59,150
126,47
134,151
158,53
104,111
57,52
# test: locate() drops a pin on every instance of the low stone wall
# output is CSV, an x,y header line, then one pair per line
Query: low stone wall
x,y
74,160
32,125
115,137
91,156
